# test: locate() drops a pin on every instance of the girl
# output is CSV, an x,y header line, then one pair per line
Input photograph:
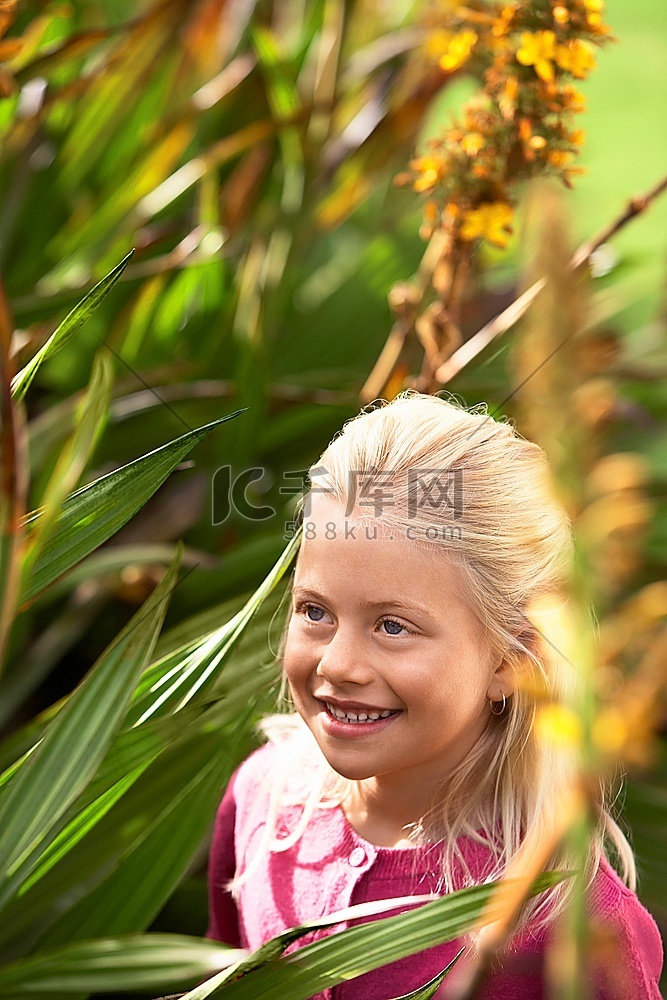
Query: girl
x,y
411,764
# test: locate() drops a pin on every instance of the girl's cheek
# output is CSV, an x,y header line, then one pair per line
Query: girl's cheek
x,y
296,660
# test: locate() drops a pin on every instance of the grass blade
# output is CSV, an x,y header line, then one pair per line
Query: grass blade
x,y
74,456
134,892
95,512
76,742
69,326
429,989
168,687
134,962
357,950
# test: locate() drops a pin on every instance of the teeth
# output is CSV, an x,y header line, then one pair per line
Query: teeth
x,y
357,717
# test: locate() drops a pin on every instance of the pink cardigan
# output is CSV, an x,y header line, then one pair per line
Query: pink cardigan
x,y
332,867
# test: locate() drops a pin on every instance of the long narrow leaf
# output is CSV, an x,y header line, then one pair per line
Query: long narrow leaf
x,y
134,962
69,326
429,989
13,480
152,767
95,512
128,760
172,683
357,950
91,417
76,741
132,752
130,897
64,878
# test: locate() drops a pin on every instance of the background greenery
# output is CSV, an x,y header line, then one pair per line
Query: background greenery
x,y
248,152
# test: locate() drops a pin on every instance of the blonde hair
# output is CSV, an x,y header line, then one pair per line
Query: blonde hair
x,y
513,543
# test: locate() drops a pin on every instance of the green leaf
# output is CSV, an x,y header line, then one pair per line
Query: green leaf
x,y
69,326
357,950
137,887
132,753
155,763
74,456
170,684
76,742
429,989
84,821
133,962
95,512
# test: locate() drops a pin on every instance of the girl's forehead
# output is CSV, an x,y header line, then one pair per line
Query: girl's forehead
x,y
367,553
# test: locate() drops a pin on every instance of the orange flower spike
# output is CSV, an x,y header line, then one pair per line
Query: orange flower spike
x,y
503,22
573,99
472,143
576,57
507,100
458,51
594,9
559,157
431,211
525,131
430,169
538,50
490,222
437,43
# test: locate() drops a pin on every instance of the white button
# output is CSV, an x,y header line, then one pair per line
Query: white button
x,y
357,857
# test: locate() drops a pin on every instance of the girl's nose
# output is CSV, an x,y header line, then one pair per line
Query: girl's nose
x,y
344,661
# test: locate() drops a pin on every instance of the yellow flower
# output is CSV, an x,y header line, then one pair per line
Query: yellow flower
x,y
525,130
594,10
458,50
472,143
490,222
573,99
577,137
431,170
481,170
437,43
431,211
559,158
576,57
503,22
561,14
507,100
538,50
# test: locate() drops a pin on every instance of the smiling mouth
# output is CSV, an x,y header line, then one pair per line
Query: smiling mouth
x,y
358,716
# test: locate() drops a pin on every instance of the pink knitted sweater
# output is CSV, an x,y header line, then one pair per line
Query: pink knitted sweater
x,y
332,867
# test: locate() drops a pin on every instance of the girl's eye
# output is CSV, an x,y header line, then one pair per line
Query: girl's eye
x,y
394,627
312,613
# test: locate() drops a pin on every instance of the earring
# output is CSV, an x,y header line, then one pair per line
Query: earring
x,y
498,707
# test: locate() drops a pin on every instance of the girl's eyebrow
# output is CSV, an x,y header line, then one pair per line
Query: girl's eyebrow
x,y
390,602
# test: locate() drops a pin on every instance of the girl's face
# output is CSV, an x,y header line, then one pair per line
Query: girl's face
x,y
387,663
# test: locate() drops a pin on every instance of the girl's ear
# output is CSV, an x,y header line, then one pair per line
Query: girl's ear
x,y
502,683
